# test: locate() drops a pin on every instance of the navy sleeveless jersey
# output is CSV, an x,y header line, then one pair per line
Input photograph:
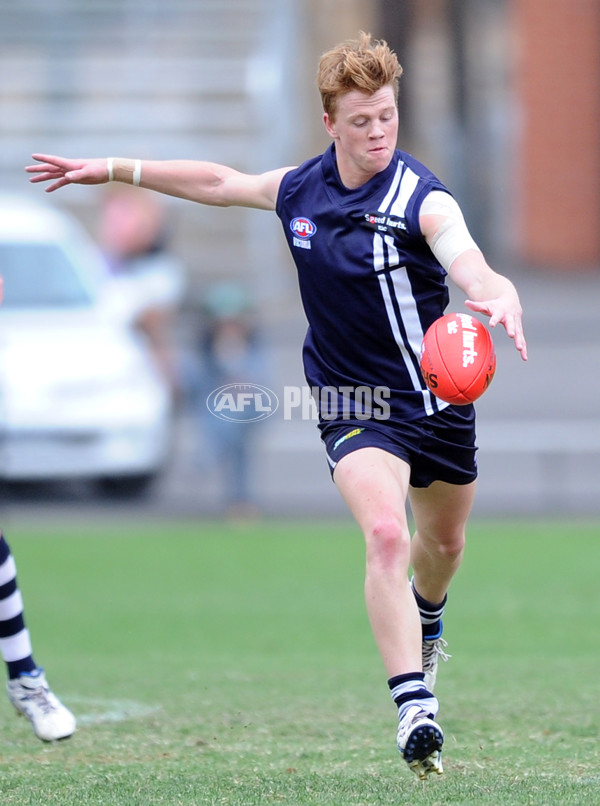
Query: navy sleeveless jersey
x,y
369,284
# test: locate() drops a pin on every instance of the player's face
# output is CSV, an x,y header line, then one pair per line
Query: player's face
x,y
365,131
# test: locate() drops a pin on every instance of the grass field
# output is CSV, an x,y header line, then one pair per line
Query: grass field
x,y
220,664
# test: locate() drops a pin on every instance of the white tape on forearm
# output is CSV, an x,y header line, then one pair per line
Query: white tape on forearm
x,y
137,172
452,237
110,167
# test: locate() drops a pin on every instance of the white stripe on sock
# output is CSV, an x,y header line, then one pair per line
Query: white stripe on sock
x,y
8,570
11,606
16,647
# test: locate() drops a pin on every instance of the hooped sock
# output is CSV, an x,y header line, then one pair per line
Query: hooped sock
x,y
430,614
408,690
15,643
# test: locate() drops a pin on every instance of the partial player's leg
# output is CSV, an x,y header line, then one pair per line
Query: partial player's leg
x,y
440,512
374,484
27,687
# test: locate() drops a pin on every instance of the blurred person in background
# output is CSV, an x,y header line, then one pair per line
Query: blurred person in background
x,y
373,234
229,351
146,279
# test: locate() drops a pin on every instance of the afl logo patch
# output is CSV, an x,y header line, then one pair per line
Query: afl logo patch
x,y
303,227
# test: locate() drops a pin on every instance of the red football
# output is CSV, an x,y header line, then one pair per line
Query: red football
x,y
458,359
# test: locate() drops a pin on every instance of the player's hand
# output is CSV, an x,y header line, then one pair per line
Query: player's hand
x,y
63,172
509,315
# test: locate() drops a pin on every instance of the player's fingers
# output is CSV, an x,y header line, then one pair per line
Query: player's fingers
x,y
45,176
478,307
514,329
48,170
60,184
486,307
520,341
512,323
49,167
51,159
58,181
494,319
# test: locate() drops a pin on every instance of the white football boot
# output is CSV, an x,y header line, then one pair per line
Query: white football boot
x,y
433,651
31,696
420,741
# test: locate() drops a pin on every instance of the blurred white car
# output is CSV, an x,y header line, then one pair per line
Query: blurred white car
x,y
80,396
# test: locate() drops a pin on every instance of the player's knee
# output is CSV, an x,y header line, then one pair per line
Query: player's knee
x,y
450,548
388,542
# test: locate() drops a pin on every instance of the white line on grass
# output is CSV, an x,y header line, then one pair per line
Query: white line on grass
x,y
100,711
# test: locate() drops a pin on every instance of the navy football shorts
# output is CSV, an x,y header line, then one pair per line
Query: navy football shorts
x,y
437,448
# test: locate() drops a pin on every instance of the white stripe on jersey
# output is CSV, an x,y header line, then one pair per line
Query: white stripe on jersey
x,y
404,297
404,185
414,331
406,355
393,187
409,182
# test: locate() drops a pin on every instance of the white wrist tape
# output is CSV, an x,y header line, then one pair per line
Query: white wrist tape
x,y
452,237
110,161
137,172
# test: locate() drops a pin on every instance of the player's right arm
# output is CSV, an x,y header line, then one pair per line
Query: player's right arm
x,y
203,182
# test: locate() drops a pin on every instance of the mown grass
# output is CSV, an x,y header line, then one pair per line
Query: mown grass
x,y
226,664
